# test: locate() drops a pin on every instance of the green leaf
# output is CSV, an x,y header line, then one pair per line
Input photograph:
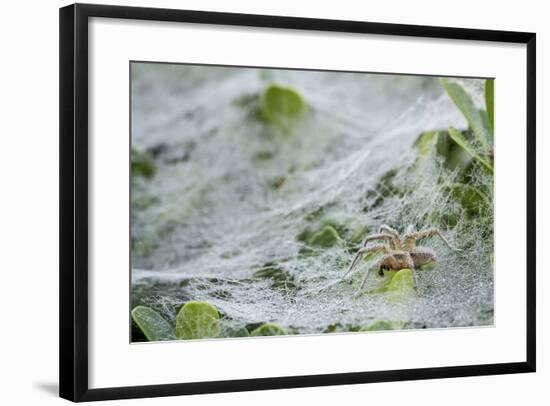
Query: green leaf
x,y
281,106
490,101
197,320
152,324
459,138
402,284
394,285
378,325
268,329
381,282
325,238
232,332
474,116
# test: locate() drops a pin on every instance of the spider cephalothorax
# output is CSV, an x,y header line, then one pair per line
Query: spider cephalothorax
x,y
399,252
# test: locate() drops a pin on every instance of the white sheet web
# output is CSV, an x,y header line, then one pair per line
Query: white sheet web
x,y
230,196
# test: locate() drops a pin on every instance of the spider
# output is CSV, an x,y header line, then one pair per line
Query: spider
x,y
398,252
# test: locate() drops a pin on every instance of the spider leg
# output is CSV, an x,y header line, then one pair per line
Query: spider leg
x,y
375,237
410,265
410,238
395,235
388,229
413,273
364,281
377,265
364,250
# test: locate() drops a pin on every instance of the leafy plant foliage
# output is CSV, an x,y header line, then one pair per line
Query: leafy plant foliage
x,y
152,324
282,106
197,320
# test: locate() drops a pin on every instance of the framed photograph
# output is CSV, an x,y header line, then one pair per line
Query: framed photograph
x,y
257,202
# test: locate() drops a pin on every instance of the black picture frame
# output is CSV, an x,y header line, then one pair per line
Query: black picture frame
x,y
74,171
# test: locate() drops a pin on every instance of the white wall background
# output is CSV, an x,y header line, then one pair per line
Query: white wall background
x,y
29,203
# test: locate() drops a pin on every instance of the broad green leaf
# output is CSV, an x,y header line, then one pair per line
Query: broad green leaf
x,y
152,324
197,320
281,106
490,101
469,110
231,332
459,138
378,325
319,230
268,329
391,281
381,283
402,284
340,228
325,238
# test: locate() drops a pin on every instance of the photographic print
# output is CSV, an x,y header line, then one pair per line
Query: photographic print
x,y
268,202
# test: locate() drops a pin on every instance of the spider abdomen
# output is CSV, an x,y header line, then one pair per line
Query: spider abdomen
x,y
422,256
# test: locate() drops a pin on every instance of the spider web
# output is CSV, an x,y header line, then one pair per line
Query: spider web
x,y
230,196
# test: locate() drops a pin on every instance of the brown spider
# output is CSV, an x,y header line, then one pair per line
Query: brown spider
x,y
399,253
